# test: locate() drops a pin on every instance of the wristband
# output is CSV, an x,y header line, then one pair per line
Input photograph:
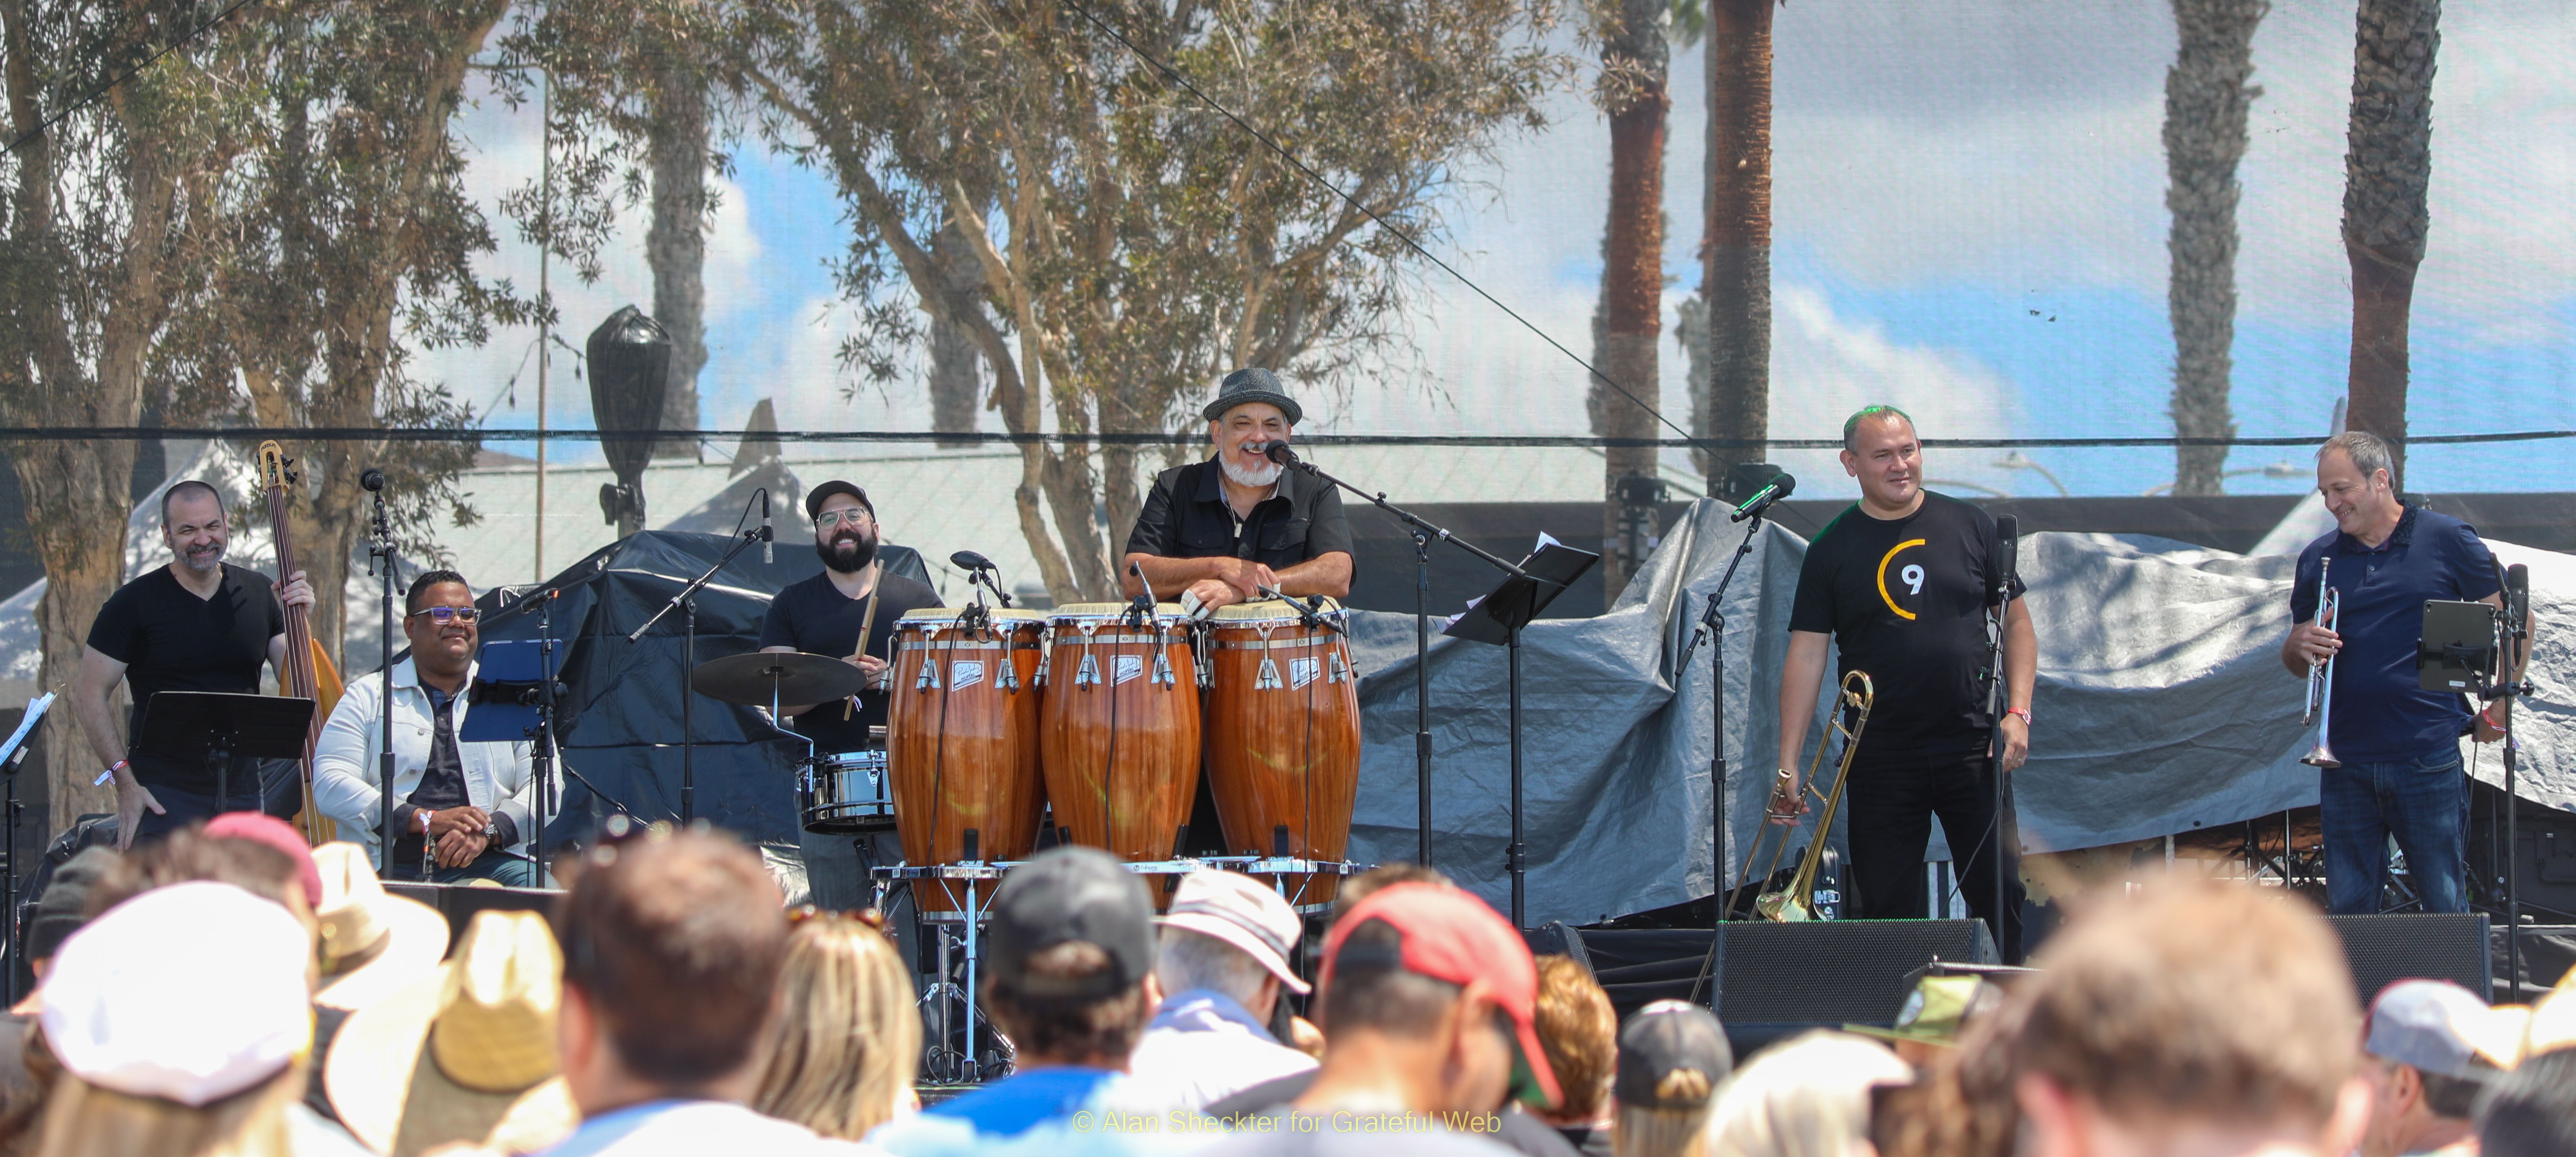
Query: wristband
x,y
108,774
2486,715
2024,712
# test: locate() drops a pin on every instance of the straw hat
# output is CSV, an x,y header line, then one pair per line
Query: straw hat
x,y
464,1053
372,943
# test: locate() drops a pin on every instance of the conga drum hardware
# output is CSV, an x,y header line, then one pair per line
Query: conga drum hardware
x,y
963,753
1121,733
1283,735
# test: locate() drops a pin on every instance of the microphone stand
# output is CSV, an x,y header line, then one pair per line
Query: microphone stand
x,y
380,562
1424,533
542,756
687,602
1712,626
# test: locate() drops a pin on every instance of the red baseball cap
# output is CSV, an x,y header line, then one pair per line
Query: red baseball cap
x,y
1448,934
261,828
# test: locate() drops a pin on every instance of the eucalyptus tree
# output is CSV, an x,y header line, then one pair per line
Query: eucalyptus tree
x,y
1135,242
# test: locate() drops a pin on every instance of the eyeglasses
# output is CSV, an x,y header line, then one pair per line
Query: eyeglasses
x,y
445,615
846,514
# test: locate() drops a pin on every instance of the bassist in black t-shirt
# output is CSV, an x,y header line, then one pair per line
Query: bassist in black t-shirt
x,y
1902,583
196,624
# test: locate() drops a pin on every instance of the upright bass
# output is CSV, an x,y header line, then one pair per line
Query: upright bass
x,y
309,673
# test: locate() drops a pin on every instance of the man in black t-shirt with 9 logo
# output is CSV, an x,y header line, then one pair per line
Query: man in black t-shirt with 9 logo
x,y
1903,583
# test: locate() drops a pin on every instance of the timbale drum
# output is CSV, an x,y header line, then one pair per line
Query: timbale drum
x,y
1282,722
1120,729
962,741
847,794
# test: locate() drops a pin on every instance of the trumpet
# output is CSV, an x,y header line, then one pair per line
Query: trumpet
x,y
2321,675
1795,904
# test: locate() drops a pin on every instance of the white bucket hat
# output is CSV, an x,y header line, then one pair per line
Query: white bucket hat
x,y
1243,912
189,993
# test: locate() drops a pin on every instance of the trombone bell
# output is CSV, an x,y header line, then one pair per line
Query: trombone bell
x,y
1796,904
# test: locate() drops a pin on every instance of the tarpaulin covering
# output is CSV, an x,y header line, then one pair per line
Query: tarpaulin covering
x,y
2161,700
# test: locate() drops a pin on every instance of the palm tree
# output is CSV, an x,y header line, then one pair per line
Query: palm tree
x,y
1736,239
2387,166
1632,90
2206,98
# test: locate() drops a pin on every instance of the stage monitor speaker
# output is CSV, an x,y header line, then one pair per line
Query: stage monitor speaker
x,y
1781,979
2416,945
459,902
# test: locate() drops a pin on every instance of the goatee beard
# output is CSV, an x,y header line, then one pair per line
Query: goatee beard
x,y
863,551
1262,475
212,560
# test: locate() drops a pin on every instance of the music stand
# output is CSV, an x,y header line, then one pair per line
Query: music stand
x,y
215,726
1499,618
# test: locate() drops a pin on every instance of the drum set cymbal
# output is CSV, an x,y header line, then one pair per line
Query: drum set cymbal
x,y
763,678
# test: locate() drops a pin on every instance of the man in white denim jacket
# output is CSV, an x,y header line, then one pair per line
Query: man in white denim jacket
x,y
469,807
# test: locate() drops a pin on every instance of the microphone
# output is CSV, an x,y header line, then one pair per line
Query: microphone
x,y
1280,453
2007,552
768,553
373,479
1780,486
970,561
1144,587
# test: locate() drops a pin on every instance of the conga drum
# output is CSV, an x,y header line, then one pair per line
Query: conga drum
x,y
1283,737
962,742
1120,729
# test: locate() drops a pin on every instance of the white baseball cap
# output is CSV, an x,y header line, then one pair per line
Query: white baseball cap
x,y
1244,913
190,993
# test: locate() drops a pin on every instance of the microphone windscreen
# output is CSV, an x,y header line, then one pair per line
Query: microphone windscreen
x,y
1280,453
1787,482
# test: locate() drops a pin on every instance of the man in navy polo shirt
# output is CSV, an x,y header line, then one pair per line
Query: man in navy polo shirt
x,y
2400,744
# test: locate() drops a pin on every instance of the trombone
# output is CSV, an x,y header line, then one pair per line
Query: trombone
x,y
2321,675
1795,904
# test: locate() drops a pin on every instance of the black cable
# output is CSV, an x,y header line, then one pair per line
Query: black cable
x,y
1398,234
129,74
1574,441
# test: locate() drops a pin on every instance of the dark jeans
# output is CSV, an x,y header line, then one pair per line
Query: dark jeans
x,y
1892,799
495,865
2424,802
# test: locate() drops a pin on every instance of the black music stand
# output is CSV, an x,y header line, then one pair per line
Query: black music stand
x,y
215,726
1499,618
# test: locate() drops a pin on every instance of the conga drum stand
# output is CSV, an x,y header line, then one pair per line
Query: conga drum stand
x,y
954,1058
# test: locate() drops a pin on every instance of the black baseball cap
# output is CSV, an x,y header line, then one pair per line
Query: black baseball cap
x,y
1070,893
814,498
1662,1040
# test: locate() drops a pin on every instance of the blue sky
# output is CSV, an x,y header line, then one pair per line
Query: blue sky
x,y
1943,169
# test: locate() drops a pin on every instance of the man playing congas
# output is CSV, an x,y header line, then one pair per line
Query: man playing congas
x,y
1220,530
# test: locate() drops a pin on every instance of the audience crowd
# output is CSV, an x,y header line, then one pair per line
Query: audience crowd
x,y
228,991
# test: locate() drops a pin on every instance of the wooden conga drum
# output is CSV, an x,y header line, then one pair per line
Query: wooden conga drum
x,y
1283,737
1120,729
962,743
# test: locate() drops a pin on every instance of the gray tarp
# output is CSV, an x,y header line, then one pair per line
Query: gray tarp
x,y
2162,706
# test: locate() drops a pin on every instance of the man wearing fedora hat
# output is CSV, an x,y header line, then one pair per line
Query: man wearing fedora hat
x,y
1218,531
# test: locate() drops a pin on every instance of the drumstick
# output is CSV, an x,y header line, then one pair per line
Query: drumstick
x,y
867,622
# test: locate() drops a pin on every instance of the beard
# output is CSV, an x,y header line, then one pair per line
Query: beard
x,y
859,552
202,561
1242,475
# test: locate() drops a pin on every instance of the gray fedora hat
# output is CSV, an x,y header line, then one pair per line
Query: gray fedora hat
x,y
1253,385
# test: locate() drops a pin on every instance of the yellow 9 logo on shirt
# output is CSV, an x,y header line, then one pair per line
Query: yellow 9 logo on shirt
x,y
1911,577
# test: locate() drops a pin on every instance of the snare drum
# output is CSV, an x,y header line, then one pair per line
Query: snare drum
x,y
847,794
1283,736
1121,728
962,742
